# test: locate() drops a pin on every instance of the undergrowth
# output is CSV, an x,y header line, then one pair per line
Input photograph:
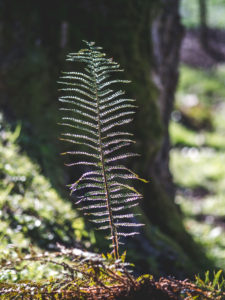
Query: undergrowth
x,y
78,275
200,192
85,275
31,211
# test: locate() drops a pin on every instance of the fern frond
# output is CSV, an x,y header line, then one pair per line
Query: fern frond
x,y
94,113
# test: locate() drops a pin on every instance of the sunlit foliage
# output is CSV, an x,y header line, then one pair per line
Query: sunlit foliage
x,y
93,112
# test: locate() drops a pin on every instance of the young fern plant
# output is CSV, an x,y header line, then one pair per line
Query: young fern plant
x,y
94,115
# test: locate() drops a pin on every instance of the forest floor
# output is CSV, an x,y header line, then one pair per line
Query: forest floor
x,y
198,138
197,162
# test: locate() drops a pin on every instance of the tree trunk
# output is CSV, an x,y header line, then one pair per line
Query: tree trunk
x,y
203,23
205,35
167,33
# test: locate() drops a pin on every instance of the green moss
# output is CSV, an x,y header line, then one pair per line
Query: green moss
x,y
31,211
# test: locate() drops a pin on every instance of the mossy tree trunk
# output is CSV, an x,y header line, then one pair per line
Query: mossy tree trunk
x,y
35,37
167,33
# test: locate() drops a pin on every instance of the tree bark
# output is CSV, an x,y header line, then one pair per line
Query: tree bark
x,y
167,33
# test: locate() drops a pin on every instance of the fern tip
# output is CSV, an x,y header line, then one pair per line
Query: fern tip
x,y
63,153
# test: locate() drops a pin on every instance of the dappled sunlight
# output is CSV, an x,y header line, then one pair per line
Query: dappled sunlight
x,y
63,230
197,159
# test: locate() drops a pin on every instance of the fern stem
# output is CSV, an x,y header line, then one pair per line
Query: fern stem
x,y
106,187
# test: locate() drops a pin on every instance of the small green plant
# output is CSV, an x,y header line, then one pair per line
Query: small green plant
x,y
93,113
216,285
